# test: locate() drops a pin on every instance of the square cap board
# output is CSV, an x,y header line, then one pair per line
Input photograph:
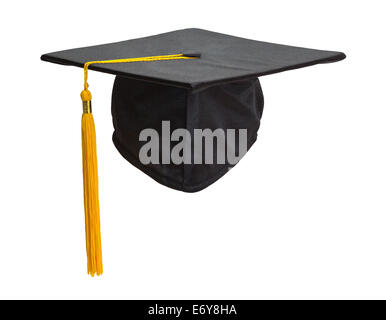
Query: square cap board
x,y
222,58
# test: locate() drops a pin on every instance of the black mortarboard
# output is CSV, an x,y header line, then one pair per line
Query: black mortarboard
x,y
189,79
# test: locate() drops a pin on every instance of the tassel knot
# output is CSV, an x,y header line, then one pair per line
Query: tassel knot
x,y
86,95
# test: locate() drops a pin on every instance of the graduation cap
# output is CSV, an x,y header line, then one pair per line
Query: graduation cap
x,y
191,80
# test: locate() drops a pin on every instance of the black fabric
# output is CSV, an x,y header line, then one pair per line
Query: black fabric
x,y
137,105
223,58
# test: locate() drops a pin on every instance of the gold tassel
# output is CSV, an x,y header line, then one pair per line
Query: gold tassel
x,y
90,189
90,169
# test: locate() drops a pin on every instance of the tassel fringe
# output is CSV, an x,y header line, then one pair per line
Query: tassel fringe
x,y
91,197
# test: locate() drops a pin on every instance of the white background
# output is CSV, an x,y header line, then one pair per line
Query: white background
x,y
301,216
